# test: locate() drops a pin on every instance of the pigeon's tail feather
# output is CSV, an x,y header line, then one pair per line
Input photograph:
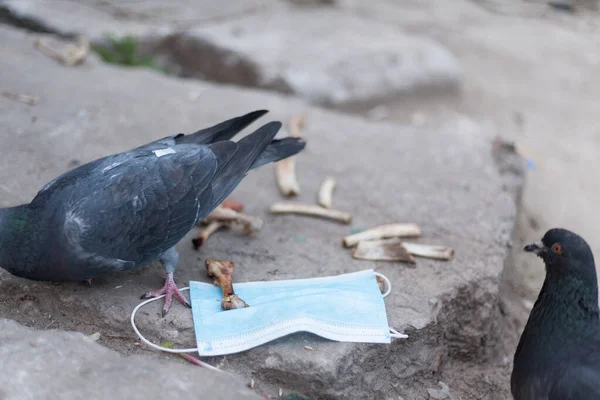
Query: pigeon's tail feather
x,y
234,162
224,131
278,150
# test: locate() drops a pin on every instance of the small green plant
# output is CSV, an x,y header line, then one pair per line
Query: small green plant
x,y
124,51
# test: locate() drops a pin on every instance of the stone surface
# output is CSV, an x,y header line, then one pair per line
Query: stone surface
x,y
446,180
542,94
328,57
30,359
146,17
530,71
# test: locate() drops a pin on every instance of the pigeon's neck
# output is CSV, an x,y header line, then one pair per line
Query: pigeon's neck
x,y
567,305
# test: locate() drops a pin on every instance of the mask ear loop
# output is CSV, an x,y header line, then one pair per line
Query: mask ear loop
x,y
393,333
165,349
397,335
387,283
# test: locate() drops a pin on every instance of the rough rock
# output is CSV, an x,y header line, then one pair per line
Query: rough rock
x,y
328,57
304,53
446,180
90,371
139,18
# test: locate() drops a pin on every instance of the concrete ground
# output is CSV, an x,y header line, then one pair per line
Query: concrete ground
x,y
90,371
527,75
533,77
77,119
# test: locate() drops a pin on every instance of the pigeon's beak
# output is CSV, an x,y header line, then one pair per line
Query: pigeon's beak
x,y
537,248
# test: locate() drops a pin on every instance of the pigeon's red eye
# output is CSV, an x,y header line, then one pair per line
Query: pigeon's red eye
x,y
557,248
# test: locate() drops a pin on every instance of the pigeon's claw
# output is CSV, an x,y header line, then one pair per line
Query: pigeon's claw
x,y
169,289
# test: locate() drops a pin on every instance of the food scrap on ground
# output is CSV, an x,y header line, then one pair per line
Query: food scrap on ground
x,y
429,251
228,214
211,228
285,170
326,192
382,250
222,273
250,223
383,232
311,210
234,205
383,243
73,55
23,98
395,249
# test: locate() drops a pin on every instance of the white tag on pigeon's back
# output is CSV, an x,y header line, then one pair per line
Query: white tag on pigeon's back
x,y
345,308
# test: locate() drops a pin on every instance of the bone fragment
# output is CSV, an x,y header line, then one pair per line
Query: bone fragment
x,y
382,232
285,170
382,250
311,210
222,272
326,192
429,251
250,223
211,228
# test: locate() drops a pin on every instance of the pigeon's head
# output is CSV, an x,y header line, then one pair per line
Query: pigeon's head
x,y
564,251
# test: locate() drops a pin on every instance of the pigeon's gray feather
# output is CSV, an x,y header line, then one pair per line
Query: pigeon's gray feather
x,y
221,132
249,149
278,150
126,210
275,151
581,381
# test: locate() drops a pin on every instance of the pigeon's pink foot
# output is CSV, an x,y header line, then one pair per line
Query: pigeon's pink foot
x,y
169,289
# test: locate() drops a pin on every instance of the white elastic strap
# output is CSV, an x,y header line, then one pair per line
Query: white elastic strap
x,y
387,282
161,348
394,333
397,335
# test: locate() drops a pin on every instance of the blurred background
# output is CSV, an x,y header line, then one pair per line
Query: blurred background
x,y
527,72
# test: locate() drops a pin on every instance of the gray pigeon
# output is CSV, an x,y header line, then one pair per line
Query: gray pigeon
x,y
558,356
127,210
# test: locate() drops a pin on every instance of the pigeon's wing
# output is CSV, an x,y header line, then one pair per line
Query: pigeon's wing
x,y
139,206
220,132
275,151
581,377
128,209
224,131
235,162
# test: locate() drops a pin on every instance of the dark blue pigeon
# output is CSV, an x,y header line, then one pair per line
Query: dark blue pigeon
x,y
558,356
127,210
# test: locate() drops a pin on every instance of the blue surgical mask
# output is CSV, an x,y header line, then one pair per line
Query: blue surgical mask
x,y
345,308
